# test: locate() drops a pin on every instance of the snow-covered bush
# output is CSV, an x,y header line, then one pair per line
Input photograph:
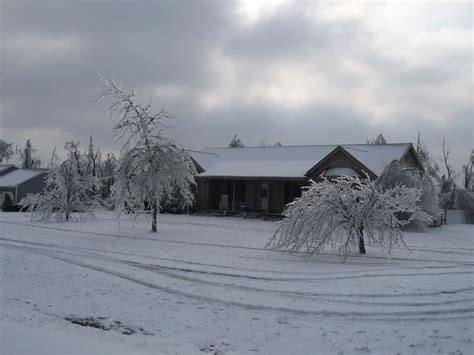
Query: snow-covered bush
x,y
344,213
68,192
151,166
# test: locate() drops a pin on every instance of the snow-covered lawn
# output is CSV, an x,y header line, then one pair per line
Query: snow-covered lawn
x,y
206,285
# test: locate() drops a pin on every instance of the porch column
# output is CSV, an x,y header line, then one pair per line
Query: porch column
x,y
268,196
206,196
233,195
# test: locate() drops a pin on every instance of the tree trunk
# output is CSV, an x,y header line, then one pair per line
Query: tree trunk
x,y
155,217
360,233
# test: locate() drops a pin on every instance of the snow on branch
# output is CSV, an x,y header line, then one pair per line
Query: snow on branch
x,y
152,167
69,191
135,122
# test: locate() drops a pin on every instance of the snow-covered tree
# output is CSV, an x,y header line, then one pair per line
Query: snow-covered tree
x,y
430,166
236,142
27,161
447,161
151,166
6,150
76,157
108,174
397,174
429,201
468,174
447,185
380,139
68,191
94,159
345,213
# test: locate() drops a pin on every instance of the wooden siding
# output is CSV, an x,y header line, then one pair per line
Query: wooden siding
x,y
337,159
32,186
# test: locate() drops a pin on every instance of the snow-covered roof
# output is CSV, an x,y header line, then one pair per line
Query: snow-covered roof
x,y
289,161
342,171
376,157
19,176
204,159
4,167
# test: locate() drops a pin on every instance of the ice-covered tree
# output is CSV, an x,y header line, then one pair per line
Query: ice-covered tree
x,y
398,174
152,166
94,159
236,142
430,166
345,213
468,175
447,161
6,150
108,174
68,192
380,139
27,161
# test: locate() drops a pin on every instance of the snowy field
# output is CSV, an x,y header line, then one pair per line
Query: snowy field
x,y
206,285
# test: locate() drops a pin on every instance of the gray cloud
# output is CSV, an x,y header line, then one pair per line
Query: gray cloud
x,y
301,73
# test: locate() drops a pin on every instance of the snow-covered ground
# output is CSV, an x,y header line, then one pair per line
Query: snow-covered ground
x,y
207,285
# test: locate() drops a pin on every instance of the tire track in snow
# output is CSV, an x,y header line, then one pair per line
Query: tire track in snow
x,y
313,279
285,279
47,252
463,313
320,296
225,246
362,263
220,266
174,260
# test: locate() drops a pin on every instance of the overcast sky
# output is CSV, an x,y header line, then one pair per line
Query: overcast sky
x,y
298,72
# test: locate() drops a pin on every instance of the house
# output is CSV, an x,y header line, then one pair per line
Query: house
x,y
18,183
264,179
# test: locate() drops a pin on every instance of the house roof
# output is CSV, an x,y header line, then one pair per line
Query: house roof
x,y
204,159
289,161
376,157
19,176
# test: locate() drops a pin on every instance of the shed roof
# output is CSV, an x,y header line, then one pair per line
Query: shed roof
x,y
289,161
4,167
19,176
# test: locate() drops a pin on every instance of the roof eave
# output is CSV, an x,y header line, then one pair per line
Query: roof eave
x,y
235,177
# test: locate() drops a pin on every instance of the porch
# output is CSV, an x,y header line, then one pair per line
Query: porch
x,y
265,196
